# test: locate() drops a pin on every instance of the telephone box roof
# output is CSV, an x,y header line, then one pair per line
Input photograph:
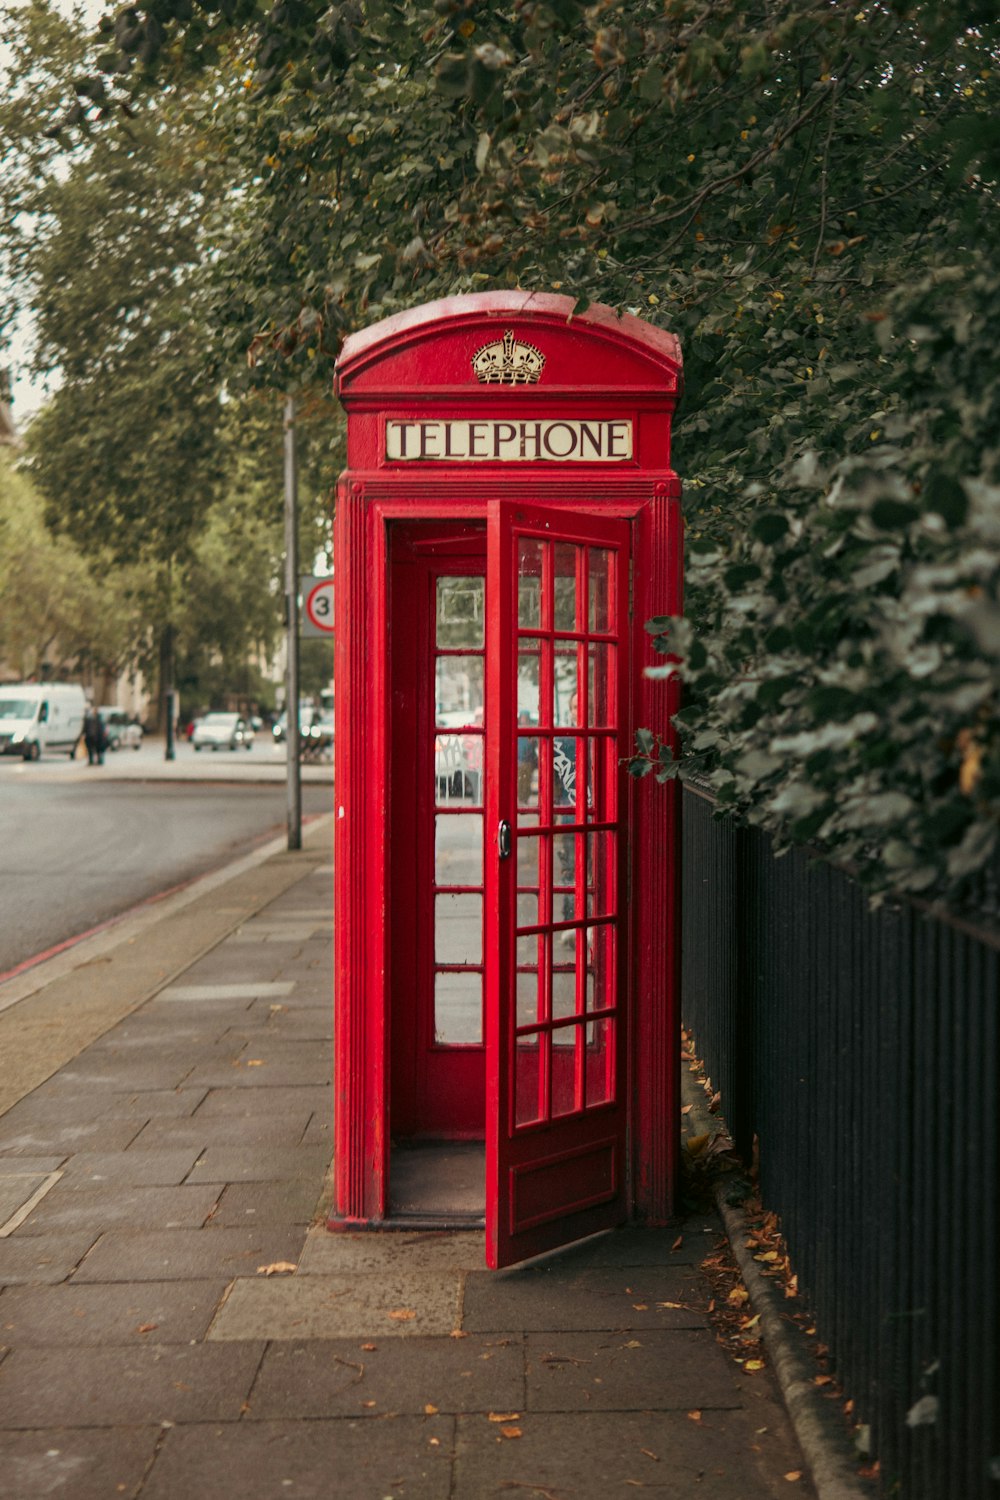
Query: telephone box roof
x,y
433,342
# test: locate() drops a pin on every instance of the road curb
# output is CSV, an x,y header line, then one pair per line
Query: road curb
x,y
821,1435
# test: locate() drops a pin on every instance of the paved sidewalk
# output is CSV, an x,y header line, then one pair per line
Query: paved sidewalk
x,y
165,1146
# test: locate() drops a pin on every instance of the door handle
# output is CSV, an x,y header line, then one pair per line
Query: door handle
x,y
503,839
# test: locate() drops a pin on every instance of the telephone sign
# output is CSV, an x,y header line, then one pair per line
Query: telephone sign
x,y
317,606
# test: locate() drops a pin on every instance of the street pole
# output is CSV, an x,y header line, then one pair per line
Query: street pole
x,y
294,788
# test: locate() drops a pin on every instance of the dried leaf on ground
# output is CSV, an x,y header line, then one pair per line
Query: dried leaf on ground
x,y
277,1268
402,1314
510,1432
502,1416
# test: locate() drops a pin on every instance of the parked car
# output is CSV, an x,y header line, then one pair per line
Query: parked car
x,y
222,732
124,729
40,716
317,736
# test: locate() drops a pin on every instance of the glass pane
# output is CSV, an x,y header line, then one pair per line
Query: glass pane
x,y
563,877
601,684
564,612
530,1002
527,1079
527,767
459,691
461,614
600,1056
601,895
599,946
564,946
564,750
458,850
601,589
458,770
527,909
566,684
458,1008
528,681
527,856
530,553
458,929
564,1047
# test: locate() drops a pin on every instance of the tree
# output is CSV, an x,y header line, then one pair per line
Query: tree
x,y
804,191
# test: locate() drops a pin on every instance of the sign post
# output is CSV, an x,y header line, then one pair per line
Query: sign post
x,y
294,776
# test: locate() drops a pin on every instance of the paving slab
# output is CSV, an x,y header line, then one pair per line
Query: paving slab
x,y
681,1244
551,1297
69,1136
154,1104
593,1455
313,1067
187,1254
117,1206
257,1164
327,1254
246,989
268,1203
264,1127
16,1188
161,1312
631,1371
46,1258
129,1168
232,1101
371,1378
126,1386
75,1463
394,1305
404,1457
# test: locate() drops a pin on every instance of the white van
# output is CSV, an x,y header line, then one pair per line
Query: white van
x,y
40,716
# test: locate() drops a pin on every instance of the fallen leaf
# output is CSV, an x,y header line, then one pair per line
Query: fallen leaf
x,y
633,1344
458,1333
822,1380
794,1475
694,1416
738,1296
686,1109
678,1242
768,1255
510,1432
369,1348
369,1403
750,1322
754,1364
403,1314
431,1411
434,1442
670,1304
650,1454
146,1327
641,1306
255,1062
503,1416
277,1267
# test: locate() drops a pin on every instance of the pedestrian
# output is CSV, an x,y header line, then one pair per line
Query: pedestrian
x,y
95,736
527,761
564,750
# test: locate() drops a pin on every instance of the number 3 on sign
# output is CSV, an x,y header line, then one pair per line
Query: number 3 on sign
x,y
318,606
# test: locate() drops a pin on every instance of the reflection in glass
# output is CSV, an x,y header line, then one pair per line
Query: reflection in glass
x,y
565,1041
564,975
459,691
565,748
527,909
563,877
600,588
530,553
458,769
527,1080
564,611
458,849
527,766
461,615
601,684
527,854
528,998
600,874
458,1008
599,950
458,929
529,673
600,1080
566,685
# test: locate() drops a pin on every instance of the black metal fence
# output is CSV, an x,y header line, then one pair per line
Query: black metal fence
x,y
860,1048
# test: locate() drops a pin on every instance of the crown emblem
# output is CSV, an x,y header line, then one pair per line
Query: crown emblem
x,y
508,362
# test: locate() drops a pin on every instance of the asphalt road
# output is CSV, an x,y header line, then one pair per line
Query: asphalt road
x,y
75,851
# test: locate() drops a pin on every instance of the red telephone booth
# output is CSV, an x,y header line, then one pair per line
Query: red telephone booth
x,y
506,936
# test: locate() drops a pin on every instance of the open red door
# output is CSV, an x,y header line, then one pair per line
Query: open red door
x,y
556,960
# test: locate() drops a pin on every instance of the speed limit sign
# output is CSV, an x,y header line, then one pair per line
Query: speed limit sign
x,y
317,605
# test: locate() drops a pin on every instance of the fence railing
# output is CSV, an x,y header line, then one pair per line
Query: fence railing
x,y
860,1048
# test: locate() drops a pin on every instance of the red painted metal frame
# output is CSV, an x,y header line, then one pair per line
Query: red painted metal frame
x,y
418,365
